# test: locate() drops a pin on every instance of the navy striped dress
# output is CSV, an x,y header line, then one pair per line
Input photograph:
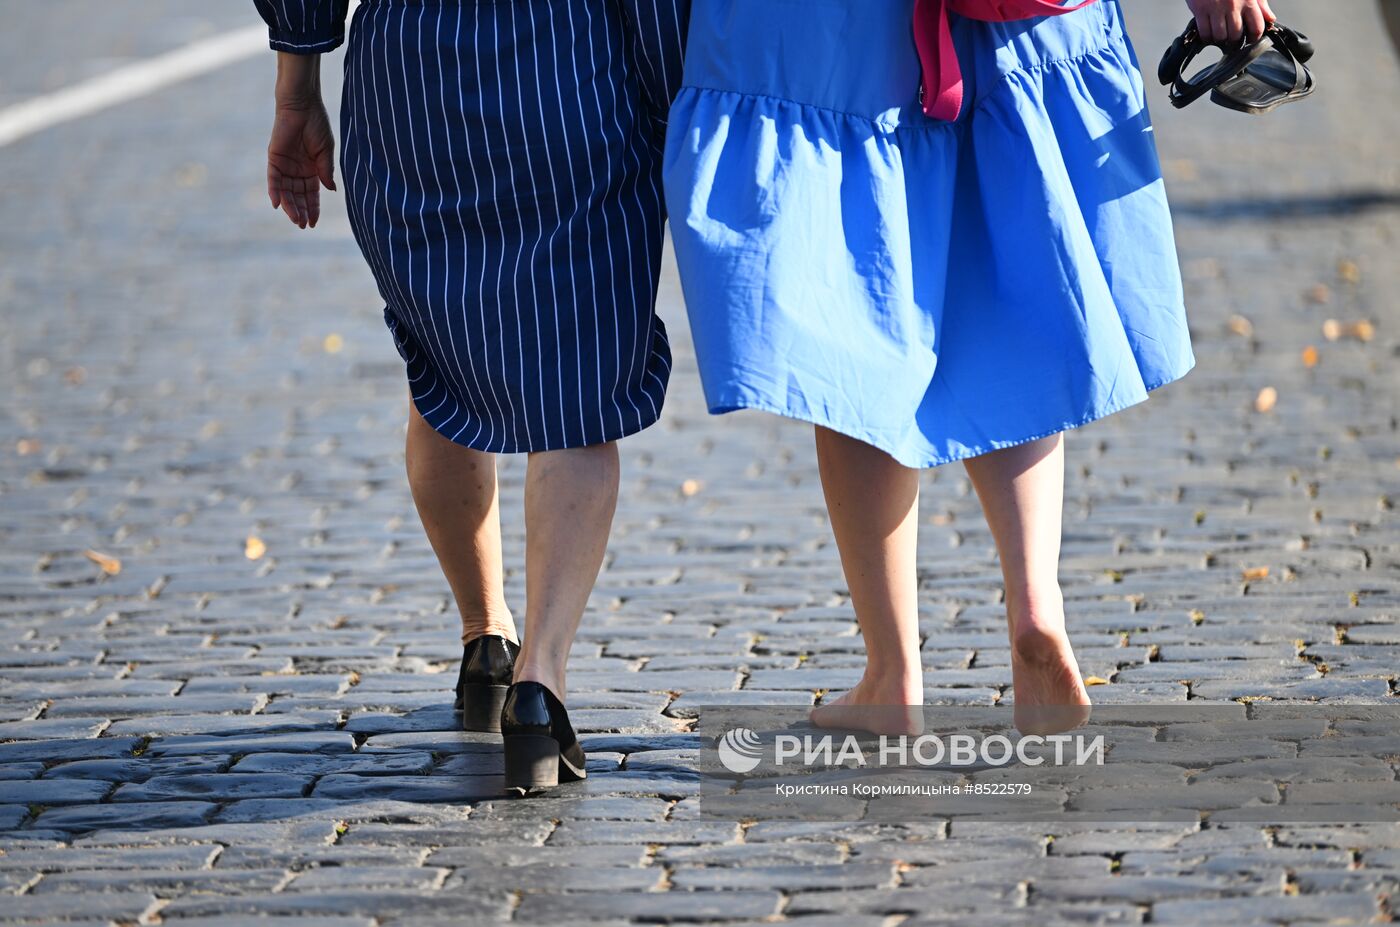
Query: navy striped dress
x,y
501,165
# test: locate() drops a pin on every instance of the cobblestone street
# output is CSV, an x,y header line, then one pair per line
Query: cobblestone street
x,y
227,651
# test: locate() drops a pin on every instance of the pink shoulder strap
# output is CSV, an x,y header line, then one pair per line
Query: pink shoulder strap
x,y
943,83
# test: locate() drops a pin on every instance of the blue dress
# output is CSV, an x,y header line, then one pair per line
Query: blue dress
x,y
938,290
502,170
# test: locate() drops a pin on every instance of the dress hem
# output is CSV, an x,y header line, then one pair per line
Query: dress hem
x,y
737,404
609,436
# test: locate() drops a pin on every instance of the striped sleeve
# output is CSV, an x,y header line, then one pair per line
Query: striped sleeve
x,y
304,27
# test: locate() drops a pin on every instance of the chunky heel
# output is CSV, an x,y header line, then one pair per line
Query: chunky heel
x,y
481,707
541,747
532,763
488,663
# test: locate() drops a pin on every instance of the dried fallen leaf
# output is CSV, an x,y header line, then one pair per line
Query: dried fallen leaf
x,y
1266,400
109,564
193,174
1361,330
74,376
1321,294
254,548
1349,271
1183,170
690,487
1095,681
26,446
1310,357
1241,326
333,344
1253,573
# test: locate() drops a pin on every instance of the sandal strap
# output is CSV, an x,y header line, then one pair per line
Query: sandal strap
x,y
1189,45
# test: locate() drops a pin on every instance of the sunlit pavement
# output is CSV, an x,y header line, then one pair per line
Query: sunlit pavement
x,y
226,649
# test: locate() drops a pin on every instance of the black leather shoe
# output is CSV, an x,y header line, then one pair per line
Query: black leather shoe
x,y
540,745
488,663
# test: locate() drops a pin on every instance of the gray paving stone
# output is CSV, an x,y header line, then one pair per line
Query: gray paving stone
x,y
485,906
129,816
291,742
51,728
350,920
310,684
436,742
278,831
72,859
306,856
888,901
164,883
360,764
138,769
1324,909
586,858
12,816
97,908
575,878
136,706
56,791
192,725
388,878
688,906
170,450
409,788
583,833
786,878
54,750
224,787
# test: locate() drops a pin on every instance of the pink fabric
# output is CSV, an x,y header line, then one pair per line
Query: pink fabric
x,y
943,83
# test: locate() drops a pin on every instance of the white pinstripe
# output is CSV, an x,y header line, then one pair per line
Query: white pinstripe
x,y
406,292
481,286
558,218
612,263
451,357
534,194
496,201
476,206
481,420
614,191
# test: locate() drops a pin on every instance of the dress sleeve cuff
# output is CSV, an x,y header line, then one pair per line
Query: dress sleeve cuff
x,y
306,43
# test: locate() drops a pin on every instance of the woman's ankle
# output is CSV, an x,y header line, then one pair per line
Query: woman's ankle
x,y
552,678
1036,620
901,686
1041,606
481,624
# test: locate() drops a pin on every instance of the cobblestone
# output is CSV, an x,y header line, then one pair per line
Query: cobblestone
x,y
199,737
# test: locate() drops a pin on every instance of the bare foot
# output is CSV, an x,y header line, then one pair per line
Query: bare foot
x,y
889,710
1050,696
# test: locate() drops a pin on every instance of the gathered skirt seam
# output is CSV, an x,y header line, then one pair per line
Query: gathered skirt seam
x,y
926,123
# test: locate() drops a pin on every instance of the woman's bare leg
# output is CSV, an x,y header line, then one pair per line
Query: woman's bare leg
x,y
454,488
1022,494
570,498
1391,10
873,503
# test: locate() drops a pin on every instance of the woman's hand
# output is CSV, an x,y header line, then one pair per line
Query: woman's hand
x,y
301,154
1227,21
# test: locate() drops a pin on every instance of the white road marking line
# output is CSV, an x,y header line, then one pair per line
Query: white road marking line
x,y
129,82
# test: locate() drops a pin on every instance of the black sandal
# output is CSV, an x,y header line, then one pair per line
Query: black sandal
x,y
1255,77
